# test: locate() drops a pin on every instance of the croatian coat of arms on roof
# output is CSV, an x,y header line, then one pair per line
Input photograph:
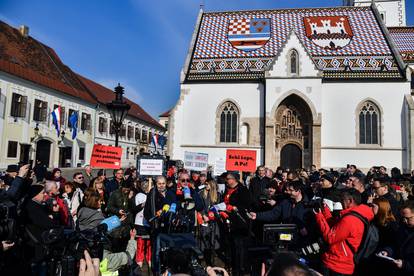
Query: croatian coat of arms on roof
x,y
249,34
329,32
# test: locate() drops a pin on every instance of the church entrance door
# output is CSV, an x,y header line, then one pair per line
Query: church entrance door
x,y
293,133
291,157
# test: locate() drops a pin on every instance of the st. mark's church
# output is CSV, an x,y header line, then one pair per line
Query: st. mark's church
x,y
324,86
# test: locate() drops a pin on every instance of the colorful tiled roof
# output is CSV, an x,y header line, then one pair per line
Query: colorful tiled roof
x,y
222,49
403,38
31,60
105,95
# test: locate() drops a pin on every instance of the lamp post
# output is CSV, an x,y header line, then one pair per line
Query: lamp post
x,y
118,109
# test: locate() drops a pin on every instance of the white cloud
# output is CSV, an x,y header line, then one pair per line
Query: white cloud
x,y
131,92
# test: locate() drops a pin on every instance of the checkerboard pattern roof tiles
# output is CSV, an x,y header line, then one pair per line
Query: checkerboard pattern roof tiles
x,y
403,38
214,54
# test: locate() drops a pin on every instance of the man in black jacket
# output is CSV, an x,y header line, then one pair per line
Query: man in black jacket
x,y
257,186
403,250
291,211
237,200
382,189
39,220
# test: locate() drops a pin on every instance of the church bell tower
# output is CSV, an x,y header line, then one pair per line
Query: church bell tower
x,y
392,11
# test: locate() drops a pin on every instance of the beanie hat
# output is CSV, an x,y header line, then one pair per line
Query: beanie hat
x,y
34,190
328,177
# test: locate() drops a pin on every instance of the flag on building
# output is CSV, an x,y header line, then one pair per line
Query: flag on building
x,y
162,141
73,119
155,140
56,119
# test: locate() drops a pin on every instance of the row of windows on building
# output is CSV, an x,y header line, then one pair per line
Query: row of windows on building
x,y
41,112
369,122
130,132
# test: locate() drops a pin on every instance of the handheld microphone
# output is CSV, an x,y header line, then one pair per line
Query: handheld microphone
x,y
111,223
164,210
211,216
187,193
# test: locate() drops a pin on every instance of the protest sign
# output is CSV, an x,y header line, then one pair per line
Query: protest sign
x,y
241,160
149,167
106,157
195,161
219,166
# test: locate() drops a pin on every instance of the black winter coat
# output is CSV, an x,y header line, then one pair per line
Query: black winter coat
x,y
404,250
257,188
242,200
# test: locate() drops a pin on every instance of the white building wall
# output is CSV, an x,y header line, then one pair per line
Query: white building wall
x,y
22,129
393,10
339,124
194,117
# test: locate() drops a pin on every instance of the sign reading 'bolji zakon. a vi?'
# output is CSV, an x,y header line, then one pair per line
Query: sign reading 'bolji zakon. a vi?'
x,y
195,161
106,157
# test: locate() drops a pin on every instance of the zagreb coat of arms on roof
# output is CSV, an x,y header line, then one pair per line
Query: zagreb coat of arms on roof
x,y
249,34
329,32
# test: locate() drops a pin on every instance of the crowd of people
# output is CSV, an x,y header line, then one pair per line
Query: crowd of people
x,y
342,222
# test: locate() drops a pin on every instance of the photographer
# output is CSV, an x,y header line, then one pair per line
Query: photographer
x,y
9,207
258,186
292,210
39,219
17,185
344,236
119,204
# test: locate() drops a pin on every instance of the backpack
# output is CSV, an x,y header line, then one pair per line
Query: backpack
x,y
369,240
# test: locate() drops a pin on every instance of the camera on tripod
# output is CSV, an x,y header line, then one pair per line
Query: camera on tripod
x,y
66,248
8,225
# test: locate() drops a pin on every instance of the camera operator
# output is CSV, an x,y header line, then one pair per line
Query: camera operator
x,y
291,211
328,193
257,187
11,173
9,207
237,199
17,186
120,204
39,219
344,236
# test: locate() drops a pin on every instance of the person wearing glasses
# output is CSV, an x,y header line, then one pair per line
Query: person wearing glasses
x,y
155,200
78,181
403,250
381,189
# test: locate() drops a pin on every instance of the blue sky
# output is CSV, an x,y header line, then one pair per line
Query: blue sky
x,y
142,44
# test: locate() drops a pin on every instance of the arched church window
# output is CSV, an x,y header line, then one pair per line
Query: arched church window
x,y
294,63
229,122
369,124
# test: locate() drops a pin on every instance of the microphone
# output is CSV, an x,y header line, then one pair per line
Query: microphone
x,y
211,216
187,193
164,210
225,217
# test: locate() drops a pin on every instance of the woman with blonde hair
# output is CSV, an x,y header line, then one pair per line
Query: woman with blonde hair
x,y
209,230
99,186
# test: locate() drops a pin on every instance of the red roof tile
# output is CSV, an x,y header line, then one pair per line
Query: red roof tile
x,y
165,114
29,59
404,40
105,95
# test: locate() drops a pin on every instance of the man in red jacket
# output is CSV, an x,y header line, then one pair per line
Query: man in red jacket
x,y
340,235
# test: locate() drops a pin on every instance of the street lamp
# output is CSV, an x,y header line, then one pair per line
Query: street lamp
x,y
118,109
36,133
